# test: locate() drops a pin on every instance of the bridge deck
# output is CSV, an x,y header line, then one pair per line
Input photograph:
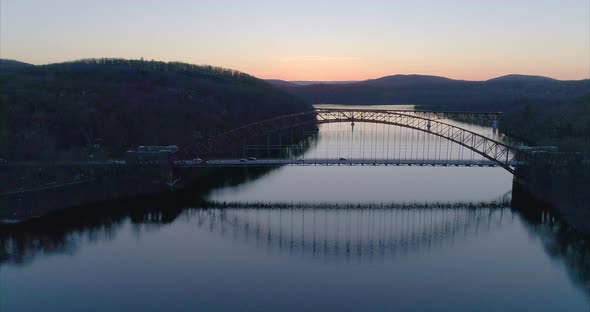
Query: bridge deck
x,y
346,162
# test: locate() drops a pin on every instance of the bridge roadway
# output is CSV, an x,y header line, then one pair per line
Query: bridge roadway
x,y
272,162
345,162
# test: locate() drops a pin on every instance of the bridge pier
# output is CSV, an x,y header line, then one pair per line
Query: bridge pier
x,y
557,183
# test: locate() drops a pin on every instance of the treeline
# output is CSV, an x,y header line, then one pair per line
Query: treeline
x,y
102,107
565,124
153,66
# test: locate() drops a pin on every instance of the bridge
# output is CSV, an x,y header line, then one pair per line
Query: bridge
x,y
369,138
216,149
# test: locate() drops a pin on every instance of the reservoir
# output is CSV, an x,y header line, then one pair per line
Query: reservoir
x,y
292,238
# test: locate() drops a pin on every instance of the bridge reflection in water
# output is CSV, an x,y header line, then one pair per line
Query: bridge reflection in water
x,y
349,234
335,233
332,234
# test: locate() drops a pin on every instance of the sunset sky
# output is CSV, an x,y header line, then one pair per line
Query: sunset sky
x,y
311,40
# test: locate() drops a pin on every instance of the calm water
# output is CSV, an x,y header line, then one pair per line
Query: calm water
x,y
329,238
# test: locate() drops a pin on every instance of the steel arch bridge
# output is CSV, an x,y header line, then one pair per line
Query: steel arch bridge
x,y
429,122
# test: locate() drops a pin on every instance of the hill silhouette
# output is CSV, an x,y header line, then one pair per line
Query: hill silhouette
x,y
506,93
65,110
522,78
6,64
407,80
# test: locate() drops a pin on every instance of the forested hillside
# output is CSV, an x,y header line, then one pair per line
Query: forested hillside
x,y
565,124
70,110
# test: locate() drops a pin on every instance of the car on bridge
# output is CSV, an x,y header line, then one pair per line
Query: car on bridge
x,y
252,158
342,159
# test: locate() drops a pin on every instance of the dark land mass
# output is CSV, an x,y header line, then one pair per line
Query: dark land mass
x,y
565,124
506,93
6,64
106,106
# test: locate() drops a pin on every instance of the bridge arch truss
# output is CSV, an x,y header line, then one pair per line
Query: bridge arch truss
x,y
428,122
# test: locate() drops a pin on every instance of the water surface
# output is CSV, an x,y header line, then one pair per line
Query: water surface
x,y
322,238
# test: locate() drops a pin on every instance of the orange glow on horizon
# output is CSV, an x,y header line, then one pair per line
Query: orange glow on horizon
x,y
355,68
312,40
321,73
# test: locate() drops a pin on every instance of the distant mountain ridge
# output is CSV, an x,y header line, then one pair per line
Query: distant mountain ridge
x,y
7,64
407,80
522,78
503,93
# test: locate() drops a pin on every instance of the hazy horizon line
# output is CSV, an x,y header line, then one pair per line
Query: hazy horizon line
x,y
343,81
